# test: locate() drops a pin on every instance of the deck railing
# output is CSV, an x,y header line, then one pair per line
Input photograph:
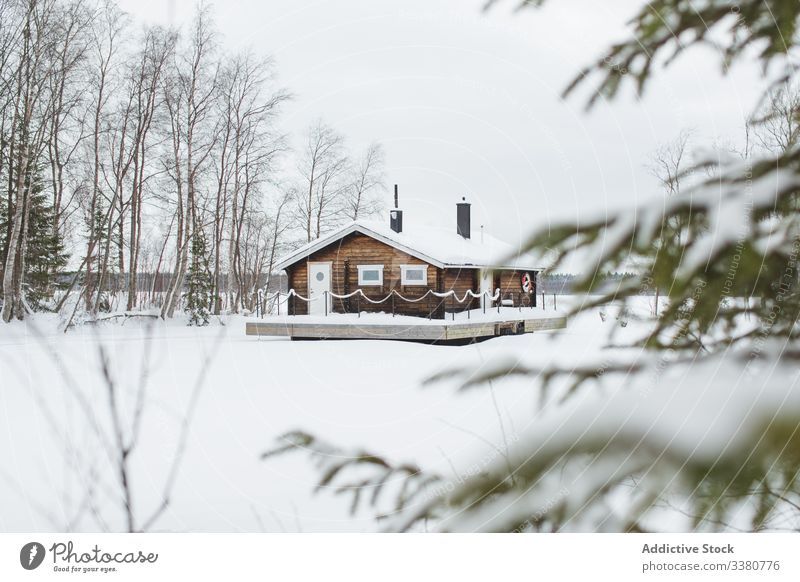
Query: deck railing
x,y
272,304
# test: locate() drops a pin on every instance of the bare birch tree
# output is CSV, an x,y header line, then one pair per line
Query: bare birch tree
x,y
667,165
368,181
197,75
323,167
67,87
777,129
157,49
108,30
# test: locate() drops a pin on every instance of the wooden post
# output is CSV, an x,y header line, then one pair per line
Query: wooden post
x,y
543,307
392,294
346,302
441,304
325,299
279,303
555,305
358,304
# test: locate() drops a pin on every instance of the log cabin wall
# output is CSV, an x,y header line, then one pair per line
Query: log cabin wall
x,y
461,281
357,249
297,279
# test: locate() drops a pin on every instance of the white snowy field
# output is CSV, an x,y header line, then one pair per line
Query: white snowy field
x,y
353,393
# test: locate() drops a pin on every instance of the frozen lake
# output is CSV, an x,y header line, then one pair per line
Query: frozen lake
x,y
365,394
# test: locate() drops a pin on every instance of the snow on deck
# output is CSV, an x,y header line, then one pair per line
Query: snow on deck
x,y
457,326
383,318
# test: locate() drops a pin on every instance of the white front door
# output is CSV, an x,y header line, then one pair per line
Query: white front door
x,y
319,281
486,288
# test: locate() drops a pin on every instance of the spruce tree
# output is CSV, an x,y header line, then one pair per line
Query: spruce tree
x,y
45,255
99,225
199,282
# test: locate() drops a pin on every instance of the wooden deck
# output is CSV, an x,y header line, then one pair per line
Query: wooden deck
x,y
425,331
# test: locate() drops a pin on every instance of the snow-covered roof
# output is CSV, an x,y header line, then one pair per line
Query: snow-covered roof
x,y
441,247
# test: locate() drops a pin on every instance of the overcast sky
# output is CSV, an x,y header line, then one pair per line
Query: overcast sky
x,y
467,103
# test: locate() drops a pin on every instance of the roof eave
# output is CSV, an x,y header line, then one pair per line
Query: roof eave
x,y
330,239
355,227
311,249
414,253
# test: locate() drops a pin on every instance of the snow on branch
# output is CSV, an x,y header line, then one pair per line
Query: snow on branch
x,y
718,434
357,472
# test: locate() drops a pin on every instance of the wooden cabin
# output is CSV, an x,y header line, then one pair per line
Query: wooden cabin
x,y
378,258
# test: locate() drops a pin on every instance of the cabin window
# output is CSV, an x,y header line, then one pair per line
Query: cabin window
x,y
370,275
413,274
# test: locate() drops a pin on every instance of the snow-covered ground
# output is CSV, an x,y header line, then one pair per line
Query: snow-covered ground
x,y
353,393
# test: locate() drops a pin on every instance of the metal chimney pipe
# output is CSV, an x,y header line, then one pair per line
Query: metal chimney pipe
x,y
396,215
463,218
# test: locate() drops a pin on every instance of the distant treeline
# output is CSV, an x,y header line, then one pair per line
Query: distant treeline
x,y
563,283
158,283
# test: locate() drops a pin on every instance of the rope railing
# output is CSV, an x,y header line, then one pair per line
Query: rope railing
x,y
444,295
268,303
272,303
